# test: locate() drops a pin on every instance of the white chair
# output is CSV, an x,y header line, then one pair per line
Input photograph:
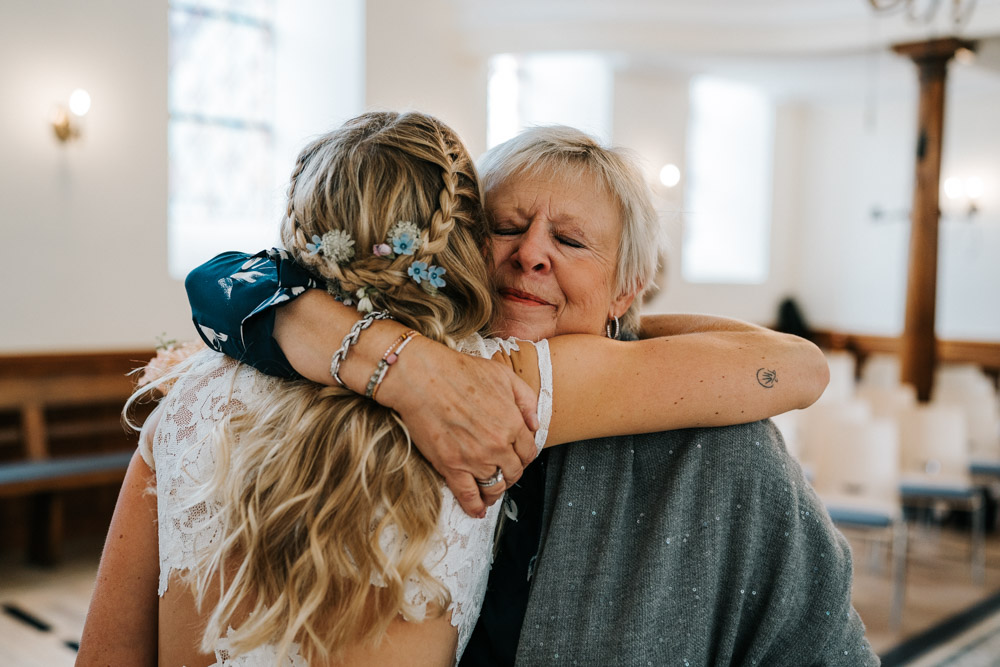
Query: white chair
x,y
965,386
934,444
857,477
888,401
982,414
842,368
954,382
880,370
936,469
815,425
788,425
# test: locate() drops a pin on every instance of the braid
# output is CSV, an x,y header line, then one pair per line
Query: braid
x,y
365,179
373,272
443,220
293,224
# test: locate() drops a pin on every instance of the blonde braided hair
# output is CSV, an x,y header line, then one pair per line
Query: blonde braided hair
x,y
308,477
370,222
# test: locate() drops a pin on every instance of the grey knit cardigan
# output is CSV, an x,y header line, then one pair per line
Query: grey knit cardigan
x,y
692,547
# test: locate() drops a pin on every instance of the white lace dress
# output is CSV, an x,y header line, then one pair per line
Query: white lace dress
x,y
217,386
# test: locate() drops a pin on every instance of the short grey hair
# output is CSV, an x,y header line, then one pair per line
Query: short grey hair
x,y
565,151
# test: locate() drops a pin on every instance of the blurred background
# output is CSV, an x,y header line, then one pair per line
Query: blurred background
x,y
779,137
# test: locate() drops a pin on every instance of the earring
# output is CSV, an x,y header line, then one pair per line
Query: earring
x,y
618,329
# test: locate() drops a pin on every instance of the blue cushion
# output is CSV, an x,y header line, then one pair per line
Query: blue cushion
x,y
860,517
23,471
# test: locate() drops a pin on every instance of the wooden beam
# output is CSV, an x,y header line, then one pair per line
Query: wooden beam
x,y
981,353
918,343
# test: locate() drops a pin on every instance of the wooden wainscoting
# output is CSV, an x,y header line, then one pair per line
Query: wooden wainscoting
x,y
63,447
982,353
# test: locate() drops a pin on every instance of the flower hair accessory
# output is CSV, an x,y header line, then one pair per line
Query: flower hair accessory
x,y
404,237
428,277
336,245
404,240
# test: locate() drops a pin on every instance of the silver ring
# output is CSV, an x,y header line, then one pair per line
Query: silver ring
x,y
492,481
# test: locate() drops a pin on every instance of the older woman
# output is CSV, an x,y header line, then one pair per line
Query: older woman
x,y
573,247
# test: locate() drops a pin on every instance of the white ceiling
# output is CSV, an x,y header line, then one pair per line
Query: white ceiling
x,y
793,48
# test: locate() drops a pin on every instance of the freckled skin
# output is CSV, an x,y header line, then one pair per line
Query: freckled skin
x,y
555,240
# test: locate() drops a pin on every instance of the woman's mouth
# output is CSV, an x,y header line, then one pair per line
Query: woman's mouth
x,y
518,296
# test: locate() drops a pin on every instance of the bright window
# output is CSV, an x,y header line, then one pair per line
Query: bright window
x,y
221,129
572,89
728,191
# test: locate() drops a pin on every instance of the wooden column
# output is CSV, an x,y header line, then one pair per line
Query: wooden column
x,y
918,342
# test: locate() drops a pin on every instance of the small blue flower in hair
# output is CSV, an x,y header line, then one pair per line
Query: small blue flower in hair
x,y
418,271
316,244
404,237
434,274
403,245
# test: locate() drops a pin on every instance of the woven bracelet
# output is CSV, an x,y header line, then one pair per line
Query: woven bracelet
x,y
351,338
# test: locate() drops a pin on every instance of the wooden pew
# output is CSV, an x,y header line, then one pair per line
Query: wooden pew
x,y
39,475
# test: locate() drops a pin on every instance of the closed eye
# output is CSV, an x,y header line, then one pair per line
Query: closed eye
x,y
569,242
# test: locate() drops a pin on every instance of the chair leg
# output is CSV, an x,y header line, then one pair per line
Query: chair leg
x,y
979,541
900,544
45,529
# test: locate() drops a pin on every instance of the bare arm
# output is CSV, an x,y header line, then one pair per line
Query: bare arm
x,y
675,324
121,625
603,387
466,415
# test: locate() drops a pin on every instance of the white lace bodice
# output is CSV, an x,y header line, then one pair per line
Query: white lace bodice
x,y
216,386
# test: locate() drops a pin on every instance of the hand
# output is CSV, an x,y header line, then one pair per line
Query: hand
x,y
467,416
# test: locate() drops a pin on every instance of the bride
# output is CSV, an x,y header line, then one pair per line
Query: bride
x,y
296,524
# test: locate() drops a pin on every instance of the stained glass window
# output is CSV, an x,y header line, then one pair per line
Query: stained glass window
x,y
220,131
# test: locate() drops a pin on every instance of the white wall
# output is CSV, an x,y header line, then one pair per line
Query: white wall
x,y
651,117
84,223
838,156
852,272
416,59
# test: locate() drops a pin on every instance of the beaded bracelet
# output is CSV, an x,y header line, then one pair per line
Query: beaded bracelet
x,y
390,357
351,338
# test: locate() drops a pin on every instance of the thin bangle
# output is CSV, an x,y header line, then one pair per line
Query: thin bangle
x,y
351,338
390,357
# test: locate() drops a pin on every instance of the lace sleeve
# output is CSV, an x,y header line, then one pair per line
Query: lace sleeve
x,y
544,393
476,345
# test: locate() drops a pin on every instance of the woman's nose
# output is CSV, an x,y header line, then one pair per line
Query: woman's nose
x,y
534,252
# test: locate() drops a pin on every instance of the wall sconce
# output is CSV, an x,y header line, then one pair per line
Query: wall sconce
x,y
63,123
968,190
670,175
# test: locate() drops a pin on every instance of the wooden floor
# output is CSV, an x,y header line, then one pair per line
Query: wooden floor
x,y
58,597
939,584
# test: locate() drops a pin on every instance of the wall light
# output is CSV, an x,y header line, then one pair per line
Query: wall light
x,y
670,175
63,122
967,191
